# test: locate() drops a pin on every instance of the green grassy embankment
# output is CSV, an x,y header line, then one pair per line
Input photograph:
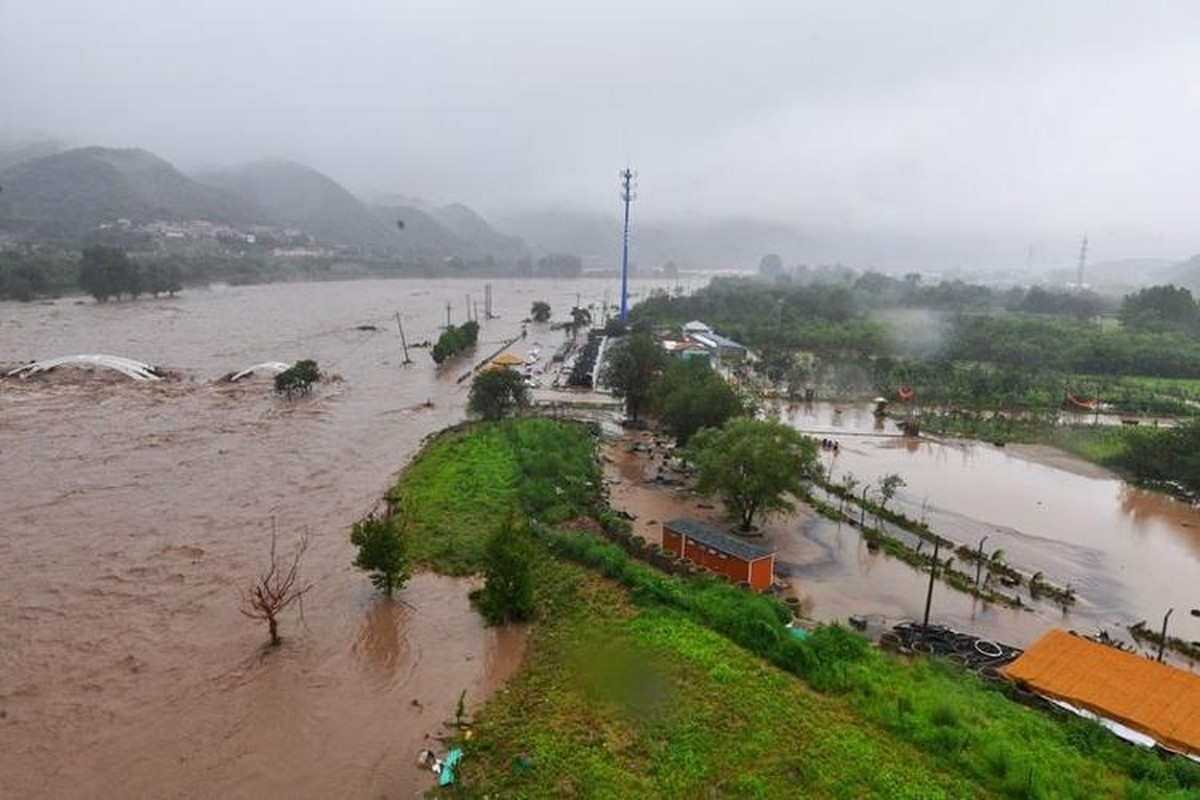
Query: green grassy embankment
x,y
640,684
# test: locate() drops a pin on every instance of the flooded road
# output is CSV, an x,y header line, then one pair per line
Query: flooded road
x,y
1130,554
134,514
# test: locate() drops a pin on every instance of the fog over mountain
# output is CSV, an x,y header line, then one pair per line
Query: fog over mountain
x,y
924,135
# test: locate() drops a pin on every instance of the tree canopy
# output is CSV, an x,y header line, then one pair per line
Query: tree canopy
x,y
496,393
1160,309
690,395
107,272
507,594
454,340
630,369
752,464
540,311
298,378
381,552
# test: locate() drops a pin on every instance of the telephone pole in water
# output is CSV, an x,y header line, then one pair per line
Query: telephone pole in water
x,y
628,195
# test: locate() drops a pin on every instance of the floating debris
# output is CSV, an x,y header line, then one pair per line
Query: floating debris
x,y
273,367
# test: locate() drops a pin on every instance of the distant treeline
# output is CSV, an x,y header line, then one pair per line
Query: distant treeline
x,y
886,326
31,274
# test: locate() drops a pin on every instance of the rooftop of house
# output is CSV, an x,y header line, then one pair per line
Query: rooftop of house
x,y
711,537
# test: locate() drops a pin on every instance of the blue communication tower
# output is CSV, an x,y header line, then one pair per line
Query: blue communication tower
x,y
628,195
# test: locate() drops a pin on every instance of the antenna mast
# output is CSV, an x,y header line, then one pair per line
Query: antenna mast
x,y
628,195
1082,262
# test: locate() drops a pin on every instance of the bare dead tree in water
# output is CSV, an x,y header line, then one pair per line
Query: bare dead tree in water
x,y
277,588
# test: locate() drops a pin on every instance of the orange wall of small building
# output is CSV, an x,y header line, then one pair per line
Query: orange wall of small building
x,y
757,573
761,573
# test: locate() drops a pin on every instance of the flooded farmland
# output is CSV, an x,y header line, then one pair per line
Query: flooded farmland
x,y
1130,554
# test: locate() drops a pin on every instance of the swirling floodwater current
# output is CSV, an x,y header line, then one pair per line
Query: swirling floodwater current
x,y
135,513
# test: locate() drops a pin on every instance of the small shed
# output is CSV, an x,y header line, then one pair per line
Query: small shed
x,y
1125,691
720,552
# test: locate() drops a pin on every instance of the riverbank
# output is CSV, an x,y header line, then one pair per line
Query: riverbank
x,y
633,685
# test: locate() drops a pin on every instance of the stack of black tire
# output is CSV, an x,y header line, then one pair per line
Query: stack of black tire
x,y
983,655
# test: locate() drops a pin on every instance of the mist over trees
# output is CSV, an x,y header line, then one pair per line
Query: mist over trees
x,y
107,272
877,322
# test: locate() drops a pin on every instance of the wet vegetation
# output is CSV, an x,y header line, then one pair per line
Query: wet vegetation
x,y
298,378
983,363
382,552
641,683
454,340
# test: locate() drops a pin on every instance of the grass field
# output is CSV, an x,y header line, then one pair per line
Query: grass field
x,y
633,685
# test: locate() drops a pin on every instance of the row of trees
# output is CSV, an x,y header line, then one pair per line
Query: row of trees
x,y
684,394
454,340
108,272
1157,336
382,552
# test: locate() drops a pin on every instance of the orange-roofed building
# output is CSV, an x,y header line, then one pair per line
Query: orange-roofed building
x,y
1156,700
508,360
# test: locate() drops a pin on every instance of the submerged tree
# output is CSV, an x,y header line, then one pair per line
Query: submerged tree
x,y
277,588
106,272
298,378
382,552
580,318
888,486
454,340
540,311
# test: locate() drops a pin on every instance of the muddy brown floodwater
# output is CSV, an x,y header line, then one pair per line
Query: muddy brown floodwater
x,y
1130,554
134,513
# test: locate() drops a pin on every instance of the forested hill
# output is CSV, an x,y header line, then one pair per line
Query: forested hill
x,y
296,196
76,190
66,197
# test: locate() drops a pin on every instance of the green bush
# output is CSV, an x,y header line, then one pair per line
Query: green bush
x,y
298,378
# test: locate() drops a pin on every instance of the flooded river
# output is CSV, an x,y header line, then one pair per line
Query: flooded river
x,y
134,513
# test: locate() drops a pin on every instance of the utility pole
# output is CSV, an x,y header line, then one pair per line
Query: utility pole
x,y
1082,263
932,574
628,195
1162,637
403,343
979,562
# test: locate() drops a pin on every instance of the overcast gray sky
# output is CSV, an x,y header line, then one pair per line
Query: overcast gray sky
x,y
1034,120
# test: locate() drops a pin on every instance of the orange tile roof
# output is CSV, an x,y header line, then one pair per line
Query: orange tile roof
x,y
1158,700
